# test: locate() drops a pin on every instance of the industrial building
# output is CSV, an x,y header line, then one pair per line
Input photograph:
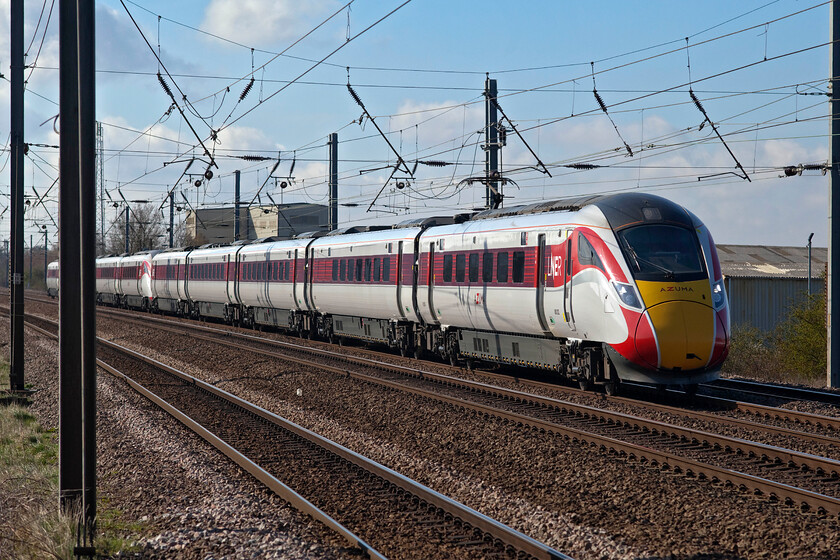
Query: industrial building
x,y
217,225
763,282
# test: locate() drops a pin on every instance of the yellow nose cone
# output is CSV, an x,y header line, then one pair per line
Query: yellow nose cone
x,y
684,333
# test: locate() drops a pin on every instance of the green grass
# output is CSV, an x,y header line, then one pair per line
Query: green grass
x,y
31,526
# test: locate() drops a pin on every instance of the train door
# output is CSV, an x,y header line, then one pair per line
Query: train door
x,y
295,280
431,281
541,272
568,274
399,282
308,275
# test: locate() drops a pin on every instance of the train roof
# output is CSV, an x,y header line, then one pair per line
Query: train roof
x,y
621,210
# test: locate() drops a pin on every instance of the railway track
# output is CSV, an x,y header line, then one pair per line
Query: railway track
x,y
348,492
771,390
797,479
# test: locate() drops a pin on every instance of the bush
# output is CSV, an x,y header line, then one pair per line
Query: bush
x,y
795,352
801,339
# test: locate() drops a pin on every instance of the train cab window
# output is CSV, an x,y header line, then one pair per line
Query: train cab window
x,y
657,252
335,270
447,268
518,267
342,269
487,268
386,269
359,264
367,270
376,270
460,267
474,267
502,267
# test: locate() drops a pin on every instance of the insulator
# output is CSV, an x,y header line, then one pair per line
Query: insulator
x,y
164,85
582,166
254,158
292,168
355,96
247,89
434,163
414,169
599,100
696,101
627,147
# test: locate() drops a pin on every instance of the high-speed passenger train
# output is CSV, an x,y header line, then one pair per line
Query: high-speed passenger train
x,y
597,289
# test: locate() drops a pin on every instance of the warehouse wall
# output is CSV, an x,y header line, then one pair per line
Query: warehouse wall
x,y
764,302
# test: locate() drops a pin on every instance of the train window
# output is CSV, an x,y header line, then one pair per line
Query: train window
x,y
386,269
447,268
376,270
351,267
460,266
659,252
474,267
367,270
359,263
342,269
518,267
335,270
487,268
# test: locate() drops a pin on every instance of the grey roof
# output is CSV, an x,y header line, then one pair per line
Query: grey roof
x,y
762,261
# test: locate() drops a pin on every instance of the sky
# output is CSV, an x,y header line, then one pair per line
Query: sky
x,y
758,68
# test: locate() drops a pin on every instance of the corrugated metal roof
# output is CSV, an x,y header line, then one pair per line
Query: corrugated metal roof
x,y
762,261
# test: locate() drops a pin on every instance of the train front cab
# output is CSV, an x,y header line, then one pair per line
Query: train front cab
x,y
679,327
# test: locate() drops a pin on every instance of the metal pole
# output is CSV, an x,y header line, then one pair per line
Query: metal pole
x,y
171,219
127,228
333,144
810,237
236,206
491,144
833,296
16,378
31,248
45,257
70,448
87,233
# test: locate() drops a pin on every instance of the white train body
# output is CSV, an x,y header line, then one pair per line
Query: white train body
x,y
598,289
169,281
52,279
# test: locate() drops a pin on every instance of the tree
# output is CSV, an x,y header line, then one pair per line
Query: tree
x,y
146,230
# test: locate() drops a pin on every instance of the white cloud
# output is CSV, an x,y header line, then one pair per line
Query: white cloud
x,y
264,22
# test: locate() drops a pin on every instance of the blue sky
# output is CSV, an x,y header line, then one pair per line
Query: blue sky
x,y
540,53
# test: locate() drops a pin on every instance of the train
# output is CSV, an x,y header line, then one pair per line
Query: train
x,y
597,289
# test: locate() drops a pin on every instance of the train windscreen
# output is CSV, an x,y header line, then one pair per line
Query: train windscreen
x,y
659,252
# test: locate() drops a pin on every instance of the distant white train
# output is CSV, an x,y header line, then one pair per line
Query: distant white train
x,y
598,289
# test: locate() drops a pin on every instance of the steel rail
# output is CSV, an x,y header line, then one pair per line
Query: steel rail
x,y
473,518
269,481
818,464
765,411
796,417
789,494
774,390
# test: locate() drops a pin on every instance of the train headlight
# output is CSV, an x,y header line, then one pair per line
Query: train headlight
x,y
627,295
718,295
